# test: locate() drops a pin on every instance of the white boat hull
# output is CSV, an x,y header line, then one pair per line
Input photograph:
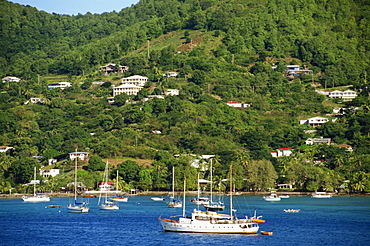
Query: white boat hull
x,y
109,207
207,227
36,198
124,199
78,209
157,199
321,196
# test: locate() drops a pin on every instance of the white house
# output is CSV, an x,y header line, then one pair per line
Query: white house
x,y
129,89
170,74
81,155
319,140
4,149
281,152
348,94
106,186
135,80
236,104
172,92
61,85
11,79
315,121
49,172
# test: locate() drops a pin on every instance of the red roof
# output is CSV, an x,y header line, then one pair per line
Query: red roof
x,y
273,151
231,102
106,183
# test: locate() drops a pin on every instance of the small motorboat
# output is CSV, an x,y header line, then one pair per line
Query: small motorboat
x,y
53,206
321,195
272,197
284,196
157,199
267,233
291,210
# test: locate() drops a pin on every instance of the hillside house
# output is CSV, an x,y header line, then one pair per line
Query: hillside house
x,y
319,140
49,172
83,156
113,68
129,89
4,149
135,80
315,121
11,79
106,186
172,92
236,104
61,85
294,71
347,95
281,152
170,74
346,146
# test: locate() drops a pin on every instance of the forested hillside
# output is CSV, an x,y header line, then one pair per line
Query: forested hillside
x,y
222,50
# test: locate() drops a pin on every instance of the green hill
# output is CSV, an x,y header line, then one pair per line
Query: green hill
x,y
222,50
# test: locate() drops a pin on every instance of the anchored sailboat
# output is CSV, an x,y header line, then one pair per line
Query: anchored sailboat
x,y
35,197
213,206
210,221
174,203
106,205
77,207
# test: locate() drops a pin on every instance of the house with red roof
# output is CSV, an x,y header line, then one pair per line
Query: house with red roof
x,y
236,104
282,152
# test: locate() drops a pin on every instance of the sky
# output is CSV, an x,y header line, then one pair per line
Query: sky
x,y
74,7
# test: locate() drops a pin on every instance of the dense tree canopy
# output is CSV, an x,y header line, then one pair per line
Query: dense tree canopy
x,y
222,51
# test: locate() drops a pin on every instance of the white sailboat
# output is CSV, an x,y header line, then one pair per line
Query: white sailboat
x,y
201,200
77,207
210,221
106,205
174,203
35,197
213,206
117,197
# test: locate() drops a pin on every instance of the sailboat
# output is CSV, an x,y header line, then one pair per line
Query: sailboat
x,y
200,200
213,206
210,221
173,202
106,205
77,207
35,197
118,198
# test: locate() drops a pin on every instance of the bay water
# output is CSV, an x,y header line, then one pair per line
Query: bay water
x,y
340,220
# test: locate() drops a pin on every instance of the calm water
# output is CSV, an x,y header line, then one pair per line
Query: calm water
x,y
336,221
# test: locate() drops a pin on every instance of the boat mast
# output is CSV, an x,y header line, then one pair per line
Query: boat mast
x,y
211,181
117,181
173,182
34,182
183,207
76,177
231,192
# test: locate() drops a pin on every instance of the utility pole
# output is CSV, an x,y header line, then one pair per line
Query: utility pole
x,y
148,49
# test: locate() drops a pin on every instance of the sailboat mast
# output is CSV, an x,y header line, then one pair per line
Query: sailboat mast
x,y
34,182
211,181
117,181
183,207
231,191
173,182
75,177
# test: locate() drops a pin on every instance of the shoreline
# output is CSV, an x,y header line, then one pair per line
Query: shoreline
x,y
189,194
